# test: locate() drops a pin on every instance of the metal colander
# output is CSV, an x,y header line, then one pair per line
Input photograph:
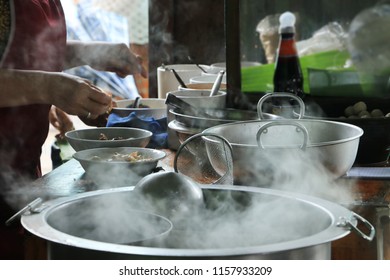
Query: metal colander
x,y
206,158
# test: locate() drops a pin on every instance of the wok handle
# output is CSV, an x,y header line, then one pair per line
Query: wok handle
x,y
277,95
348,223
300,127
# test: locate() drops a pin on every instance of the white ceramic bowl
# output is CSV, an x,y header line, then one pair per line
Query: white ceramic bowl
x,y
202,86
206,79
89,138
166,80
215,68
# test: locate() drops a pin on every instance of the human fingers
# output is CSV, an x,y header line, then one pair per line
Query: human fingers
x,y
142,71
65,122
99,95
97,103
128,63
53,118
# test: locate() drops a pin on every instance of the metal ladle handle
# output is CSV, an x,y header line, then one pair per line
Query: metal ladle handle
x,y
300,127
26,208
278,95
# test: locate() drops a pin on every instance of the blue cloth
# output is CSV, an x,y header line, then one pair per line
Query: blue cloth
x,y
158,127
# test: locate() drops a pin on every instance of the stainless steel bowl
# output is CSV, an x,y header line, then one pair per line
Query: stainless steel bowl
x,y
89,138
217,117
182,131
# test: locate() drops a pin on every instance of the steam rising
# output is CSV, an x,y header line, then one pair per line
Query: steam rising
x,y
237,219
228,219
301,171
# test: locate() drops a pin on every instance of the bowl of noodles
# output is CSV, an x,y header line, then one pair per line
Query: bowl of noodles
x,y
119,165
108,137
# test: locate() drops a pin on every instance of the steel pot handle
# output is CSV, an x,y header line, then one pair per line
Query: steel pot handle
x,y
277,95
300,127
344,222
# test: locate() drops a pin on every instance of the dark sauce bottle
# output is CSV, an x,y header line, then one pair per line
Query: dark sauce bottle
x,y
288,76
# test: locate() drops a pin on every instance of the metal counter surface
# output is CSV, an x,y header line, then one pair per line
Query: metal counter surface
x,y
65,180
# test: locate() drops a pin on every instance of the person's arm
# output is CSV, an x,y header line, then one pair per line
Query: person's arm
x,y
72,94
20,87
104,56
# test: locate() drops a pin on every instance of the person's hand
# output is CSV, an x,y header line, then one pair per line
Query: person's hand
x,y
61,121
76,96
104,56
117,58
101,120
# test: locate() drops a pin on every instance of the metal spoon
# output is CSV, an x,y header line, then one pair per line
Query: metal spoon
x,y
178,78
217,83
197,65
181,82
136,102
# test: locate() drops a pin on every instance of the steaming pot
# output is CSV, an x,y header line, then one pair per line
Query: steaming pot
x,y
316,223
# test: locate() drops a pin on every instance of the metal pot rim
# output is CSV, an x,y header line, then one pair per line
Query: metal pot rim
x,y
359,131
217,120
36,224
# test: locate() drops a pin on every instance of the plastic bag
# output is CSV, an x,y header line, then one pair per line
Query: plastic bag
x,y
268,29
368,41
328,38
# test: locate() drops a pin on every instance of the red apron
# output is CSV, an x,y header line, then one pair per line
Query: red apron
x,y
36,41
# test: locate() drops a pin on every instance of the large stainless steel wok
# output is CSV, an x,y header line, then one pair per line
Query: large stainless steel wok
x,y
304,230
260,147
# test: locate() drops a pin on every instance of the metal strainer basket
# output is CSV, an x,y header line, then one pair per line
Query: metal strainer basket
x,y
206,158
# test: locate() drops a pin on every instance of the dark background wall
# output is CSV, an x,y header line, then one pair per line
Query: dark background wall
x,y
182,28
